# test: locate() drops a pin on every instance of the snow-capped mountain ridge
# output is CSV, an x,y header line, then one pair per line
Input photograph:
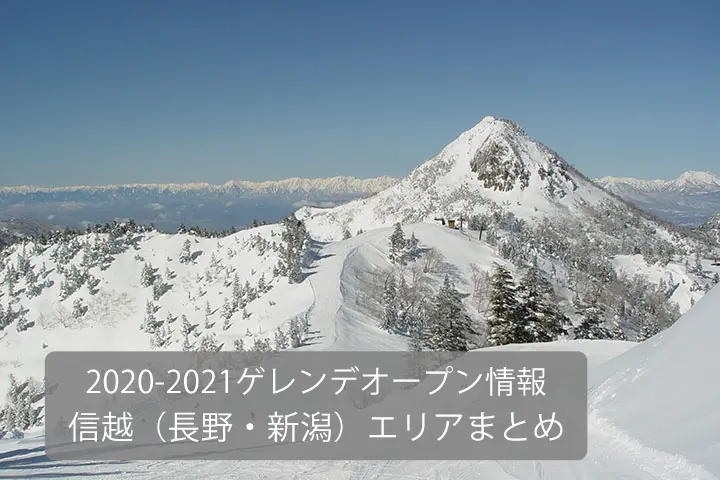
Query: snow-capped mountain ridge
x,y
339,184
689,182
688,200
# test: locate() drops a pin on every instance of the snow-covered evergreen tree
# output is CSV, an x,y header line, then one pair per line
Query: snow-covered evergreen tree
x,y
293,249
239,345
147,276
541,317
618,333
449,326
506,323
592,327
281,340
389,304
208,343
295,333
397,245
185,252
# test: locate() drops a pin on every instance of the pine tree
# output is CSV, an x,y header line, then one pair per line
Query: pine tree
x,y
649,328
281,340
591,327
226,324
346,234
397,245
239,345
449,326
185,254
617,331
147,277
506,323
208,343
293,249
237,293
295,333
716,278
412,248
543,320
389,301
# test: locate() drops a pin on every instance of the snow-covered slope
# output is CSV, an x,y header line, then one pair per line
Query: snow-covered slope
x,y
712,227
687,200
653,415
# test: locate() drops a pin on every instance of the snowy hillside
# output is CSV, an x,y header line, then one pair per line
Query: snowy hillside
x,y
712,227
688,200
653,416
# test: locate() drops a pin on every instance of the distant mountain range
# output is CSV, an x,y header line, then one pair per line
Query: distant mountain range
x,y
216,207
688,200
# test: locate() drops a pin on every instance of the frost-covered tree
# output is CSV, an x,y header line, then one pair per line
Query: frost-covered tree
x,y
346,234
159,289
541,317
506,323
449,326
281,340
295,332
185,252
162,338
78,308
227,309
20,414
227,324
147,276
648,329
150,322
237,294
592,327
22,323
261,345
618,333
208,343
293,249
397,245
412,248
239,345
389,304
716,278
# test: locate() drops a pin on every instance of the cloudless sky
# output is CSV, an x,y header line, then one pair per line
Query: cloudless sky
x,y
100,92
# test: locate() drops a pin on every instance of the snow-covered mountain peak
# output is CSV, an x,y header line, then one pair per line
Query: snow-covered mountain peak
x,y
698,179
493,162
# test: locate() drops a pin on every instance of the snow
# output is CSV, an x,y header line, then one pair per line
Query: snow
x,y
697,182
339,184
639,428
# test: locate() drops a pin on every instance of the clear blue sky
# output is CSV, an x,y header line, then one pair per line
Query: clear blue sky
x,y
100,92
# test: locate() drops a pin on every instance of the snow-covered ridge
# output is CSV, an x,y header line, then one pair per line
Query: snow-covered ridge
x,y
690,181
335,185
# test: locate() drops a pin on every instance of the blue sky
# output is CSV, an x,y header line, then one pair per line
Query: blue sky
x,y
159,91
